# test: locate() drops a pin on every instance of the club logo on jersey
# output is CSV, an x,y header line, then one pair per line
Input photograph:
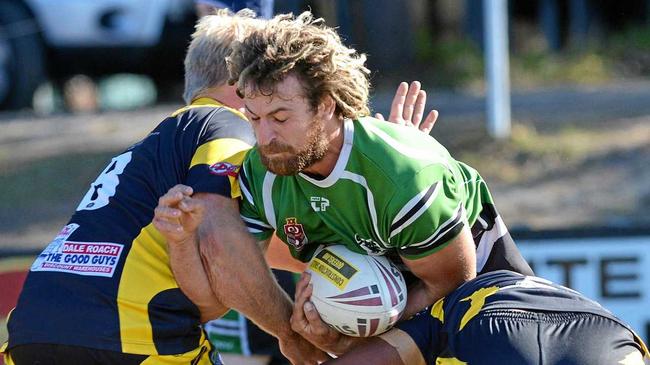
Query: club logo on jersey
x,y
224,169
295,234
371,247
319,204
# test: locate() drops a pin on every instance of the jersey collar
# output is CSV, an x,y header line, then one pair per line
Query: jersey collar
x,y
344,156
208,102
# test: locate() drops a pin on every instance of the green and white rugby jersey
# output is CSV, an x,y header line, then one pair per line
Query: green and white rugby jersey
x,y
393,188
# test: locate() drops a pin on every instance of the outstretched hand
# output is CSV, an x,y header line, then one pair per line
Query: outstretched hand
x,y
408,108
178,215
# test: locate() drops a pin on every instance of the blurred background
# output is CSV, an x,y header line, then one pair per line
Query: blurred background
x,y
82,80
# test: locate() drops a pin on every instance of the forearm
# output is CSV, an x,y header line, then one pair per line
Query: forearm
x,y
241,280
188,271
238,274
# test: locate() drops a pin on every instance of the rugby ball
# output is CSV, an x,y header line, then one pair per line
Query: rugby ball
x,y
358,295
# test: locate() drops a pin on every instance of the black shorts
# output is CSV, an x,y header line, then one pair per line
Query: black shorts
x,y
544,338
51,354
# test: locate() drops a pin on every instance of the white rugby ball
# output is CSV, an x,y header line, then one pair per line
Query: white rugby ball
x,y
358,295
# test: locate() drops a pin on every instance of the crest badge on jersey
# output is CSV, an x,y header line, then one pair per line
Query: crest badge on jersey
x,y
224,169
295,234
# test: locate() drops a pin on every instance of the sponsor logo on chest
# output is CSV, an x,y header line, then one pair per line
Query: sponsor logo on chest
x,y
319,204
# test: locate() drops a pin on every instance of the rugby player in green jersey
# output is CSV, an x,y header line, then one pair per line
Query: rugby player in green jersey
x,y
109,289
323,172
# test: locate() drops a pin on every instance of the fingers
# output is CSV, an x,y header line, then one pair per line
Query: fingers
x,y
397,107
298,320
175,195
418,111
167,226
379,116
189,205
410,99
167,213
429,122
318,327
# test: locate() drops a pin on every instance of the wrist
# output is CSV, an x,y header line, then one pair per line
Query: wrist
x,y
287,334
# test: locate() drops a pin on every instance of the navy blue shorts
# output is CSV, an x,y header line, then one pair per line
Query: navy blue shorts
x,y
523,337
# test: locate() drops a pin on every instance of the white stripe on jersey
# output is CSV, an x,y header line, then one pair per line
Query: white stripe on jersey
x,y
255,221
443,229
407,151
267,198
486,243
370,198
341,162
411,203
244,190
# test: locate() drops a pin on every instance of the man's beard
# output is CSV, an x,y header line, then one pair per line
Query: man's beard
x,y
296,161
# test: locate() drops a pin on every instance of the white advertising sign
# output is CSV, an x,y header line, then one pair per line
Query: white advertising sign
x,y
615,271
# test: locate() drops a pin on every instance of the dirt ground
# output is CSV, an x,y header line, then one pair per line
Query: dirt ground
x,y
579,167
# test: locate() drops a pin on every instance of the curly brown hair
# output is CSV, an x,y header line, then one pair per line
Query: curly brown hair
x,y
306,47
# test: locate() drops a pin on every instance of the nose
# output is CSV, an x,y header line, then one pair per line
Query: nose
x,y
264,132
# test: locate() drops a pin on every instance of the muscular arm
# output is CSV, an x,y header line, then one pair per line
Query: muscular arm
x,y
192,279
236,270
232,262
441,272
172,216
394,347
241,279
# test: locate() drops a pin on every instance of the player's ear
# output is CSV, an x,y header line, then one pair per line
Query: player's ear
x,y
327,107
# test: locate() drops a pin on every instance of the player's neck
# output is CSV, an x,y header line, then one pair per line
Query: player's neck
x,y
335,134
225,95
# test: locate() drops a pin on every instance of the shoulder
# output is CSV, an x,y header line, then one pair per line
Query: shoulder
x,y
398,152
213,122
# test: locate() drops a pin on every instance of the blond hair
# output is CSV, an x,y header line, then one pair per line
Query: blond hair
x,y
205,65
306,47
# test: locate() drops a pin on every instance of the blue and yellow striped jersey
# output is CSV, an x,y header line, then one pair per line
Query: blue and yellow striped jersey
x,y
447,330
105,281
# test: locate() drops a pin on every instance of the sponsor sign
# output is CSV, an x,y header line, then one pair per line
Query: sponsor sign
x,y
81,258
333,268
614,271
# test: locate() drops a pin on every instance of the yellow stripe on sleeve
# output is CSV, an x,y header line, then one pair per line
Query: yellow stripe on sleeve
x,y
220,150
229,150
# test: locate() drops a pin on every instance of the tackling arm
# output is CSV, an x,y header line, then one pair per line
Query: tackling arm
x,y
177,220
394,347
241,279
234,267
441,272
